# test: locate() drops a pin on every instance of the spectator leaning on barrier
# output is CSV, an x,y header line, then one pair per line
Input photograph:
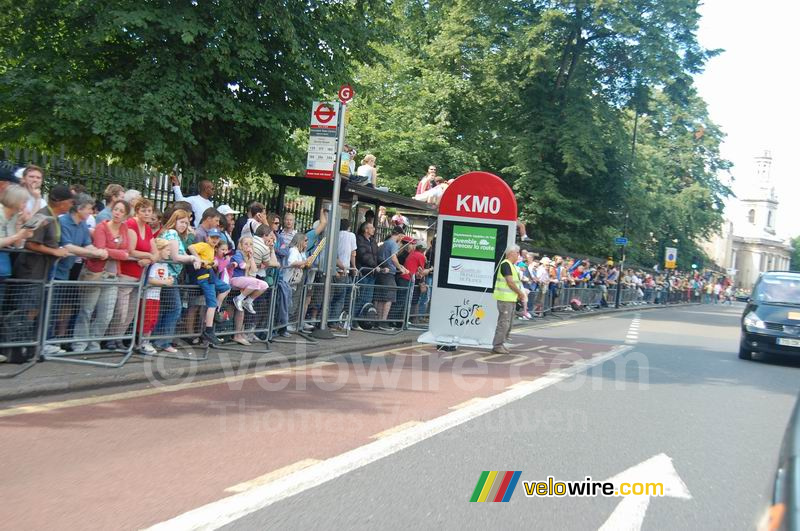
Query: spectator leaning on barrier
x,y
316,249
367,264
214,290
345,265
176,233
415,273
12,234
112,194
386,284
209,220
269,271
76,238
507,291
142,250
296,264
200,202
244,267
45,241
158,276
99,301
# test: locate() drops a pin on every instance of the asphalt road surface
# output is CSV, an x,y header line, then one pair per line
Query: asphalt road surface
x,y
398,439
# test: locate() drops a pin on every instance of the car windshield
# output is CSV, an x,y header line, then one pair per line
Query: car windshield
x,y
779,289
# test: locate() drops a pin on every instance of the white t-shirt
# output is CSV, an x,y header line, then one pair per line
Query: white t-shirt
x,y
294,256
159,271
346,246
34,206
199,203
365,170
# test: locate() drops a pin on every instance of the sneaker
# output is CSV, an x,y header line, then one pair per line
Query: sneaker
x,y
3,359
248,305
291,328
285,333
52,350
237,302
147,348
170,349
386,328
308,327
211,338
500,349
110,345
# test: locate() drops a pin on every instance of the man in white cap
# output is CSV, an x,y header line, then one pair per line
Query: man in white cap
x,y
507,291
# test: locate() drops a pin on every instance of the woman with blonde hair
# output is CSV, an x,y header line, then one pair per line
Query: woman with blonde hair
x,y
366,173
176,232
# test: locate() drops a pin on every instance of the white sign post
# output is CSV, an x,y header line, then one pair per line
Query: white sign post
x,y
477,223
323,139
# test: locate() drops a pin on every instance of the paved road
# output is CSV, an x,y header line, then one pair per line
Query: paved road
x,y
400,438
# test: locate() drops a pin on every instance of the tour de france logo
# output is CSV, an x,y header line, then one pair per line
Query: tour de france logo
x,y
466,314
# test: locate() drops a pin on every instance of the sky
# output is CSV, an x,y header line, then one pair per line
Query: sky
x,y
752,92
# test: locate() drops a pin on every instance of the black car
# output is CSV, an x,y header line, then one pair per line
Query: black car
x,y
784,511
771,319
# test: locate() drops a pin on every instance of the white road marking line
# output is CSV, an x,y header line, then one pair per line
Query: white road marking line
x,y
272,476
226,510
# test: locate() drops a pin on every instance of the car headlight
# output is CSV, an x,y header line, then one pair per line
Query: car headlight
x,y
751,320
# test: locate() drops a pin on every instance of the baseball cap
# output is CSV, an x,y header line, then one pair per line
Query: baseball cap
x,y
60,192
226,209
214,232
7,174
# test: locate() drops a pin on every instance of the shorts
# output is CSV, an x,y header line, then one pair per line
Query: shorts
x,y
385,287
211,285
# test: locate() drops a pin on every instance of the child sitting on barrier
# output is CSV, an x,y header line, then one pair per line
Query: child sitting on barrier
x,y
250,288
157,276
214,290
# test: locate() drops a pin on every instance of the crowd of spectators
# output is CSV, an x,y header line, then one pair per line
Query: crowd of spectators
x,y
71,237
115,242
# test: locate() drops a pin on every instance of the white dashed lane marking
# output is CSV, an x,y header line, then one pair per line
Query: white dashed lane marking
x,y
632,337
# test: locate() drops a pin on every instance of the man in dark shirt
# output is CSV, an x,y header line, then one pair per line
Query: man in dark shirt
x,y
46,246
367,264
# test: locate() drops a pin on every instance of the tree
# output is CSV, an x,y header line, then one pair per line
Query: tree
x,y
214,86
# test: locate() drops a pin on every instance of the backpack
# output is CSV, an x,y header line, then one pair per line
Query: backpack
x,y
576,305
367,316
17,326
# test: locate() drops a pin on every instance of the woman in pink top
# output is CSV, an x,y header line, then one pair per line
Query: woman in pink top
x,y
113,236
143,251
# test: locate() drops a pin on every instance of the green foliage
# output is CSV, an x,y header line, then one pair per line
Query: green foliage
x,y
214,86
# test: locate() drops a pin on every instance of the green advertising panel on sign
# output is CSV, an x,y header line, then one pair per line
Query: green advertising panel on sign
x,y
474,242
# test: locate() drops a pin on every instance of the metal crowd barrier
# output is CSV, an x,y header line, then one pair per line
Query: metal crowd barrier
x,y
22,304
84,315
343,299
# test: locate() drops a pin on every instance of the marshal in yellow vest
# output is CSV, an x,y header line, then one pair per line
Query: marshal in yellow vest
x,y
501,290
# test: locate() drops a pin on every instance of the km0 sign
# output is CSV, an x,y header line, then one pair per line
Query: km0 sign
x,y
473,204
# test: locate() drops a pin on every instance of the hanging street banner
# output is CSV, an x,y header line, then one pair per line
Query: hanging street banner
x,y
323,136
670,258
477,222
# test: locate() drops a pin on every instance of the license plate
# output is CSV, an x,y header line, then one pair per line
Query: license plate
x,y
794,316
788,342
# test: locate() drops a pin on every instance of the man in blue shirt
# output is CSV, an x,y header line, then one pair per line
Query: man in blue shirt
x,y
75,237
386,284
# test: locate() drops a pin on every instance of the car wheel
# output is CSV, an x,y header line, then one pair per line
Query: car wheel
x,y
745,354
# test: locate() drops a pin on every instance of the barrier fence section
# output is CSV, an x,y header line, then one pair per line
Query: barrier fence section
x,y
96,314
22,303
101,316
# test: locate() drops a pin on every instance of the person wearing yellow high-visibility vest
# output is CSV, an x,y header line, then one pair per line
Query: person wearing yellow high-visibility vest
x,y
507,291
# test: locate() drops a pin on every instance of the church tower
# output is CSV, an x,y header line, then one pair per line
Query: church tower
x,y
759,203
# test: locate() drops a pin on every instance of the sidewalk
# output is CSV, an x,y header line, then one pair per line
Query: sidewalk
x,y
54,377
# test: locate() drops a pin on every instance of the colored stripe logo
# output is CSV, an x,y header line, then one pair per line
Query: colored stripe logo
x,y
494,486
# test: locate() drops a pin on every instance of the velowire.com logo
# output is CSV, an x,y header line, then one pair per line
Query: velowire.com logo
x,y
494,486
